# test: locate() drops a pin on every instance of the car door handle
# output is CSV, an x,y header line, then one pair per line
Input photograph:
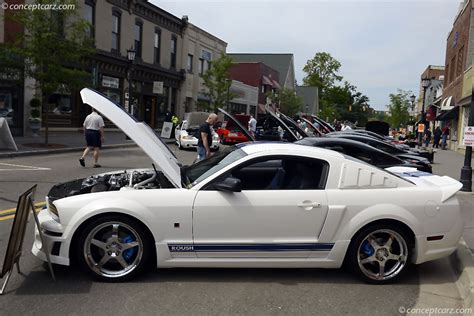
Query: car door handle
x,y
309,205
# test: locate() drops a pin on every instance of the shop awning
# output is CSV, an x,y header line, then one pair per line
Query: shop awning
x,y
267,81
447,104
449,115
276,84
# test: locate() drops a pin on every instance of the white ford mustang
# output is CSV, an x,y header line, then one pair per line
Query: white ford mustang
x,y
252,205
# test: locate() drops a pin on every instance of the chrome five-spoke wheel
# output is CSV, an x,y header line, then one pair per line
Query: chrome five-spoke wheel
x,y
113,249
381,254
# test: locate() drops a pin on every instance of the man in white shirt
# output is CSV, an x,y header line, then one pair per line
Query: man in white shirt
x,y
94,134
252,126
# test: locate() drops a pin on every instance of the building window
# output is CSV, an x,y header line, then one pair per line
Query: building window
x,y
263,88
157,46
201,66
174,41
89,16
189,65
138,38
116,31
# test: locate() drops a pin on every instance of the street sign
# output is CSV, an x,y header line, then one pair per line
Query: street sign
x,y
421,128
468,137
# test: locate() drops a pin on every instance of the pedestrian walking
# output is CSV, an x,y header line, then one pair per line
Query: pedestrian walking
x,y
205,137
427,137
437,137
252,126
94,134
445,136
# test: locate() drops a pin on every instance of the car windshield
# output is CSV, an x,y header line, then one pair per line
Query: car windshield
x,y
203,169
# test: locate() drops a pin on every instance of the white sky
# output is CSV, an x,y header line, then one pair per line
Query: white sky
x,y
382,45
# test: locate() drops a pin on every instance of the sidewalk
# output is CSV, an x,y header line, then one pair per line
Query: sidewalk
x,y
65,141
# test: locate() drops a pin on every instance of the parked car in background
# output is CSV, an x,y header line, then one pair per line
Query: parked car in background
x,y
187,132
362,152
409,156
230,133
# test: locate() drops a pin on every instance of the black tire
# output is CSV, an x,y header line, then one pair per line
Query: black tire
x,y
88,252
360,248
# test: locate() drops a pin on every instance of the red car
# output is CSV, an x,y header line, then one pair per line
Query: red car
x,y
229,133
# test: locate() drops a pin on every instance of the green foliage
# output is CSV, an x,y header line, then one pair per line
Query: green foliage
x,y
398,108
217,82
35,112
290,103
321,71
337,101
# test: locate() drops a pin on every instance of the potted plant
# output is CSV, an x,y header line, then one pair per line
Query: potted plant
x,y
35,116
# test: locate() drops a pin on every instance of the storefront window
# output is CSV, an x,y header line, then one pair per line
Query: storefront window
x,y
6,107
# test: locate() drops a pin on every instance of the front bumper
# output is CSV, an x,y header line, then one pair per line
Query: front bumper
x,y
57,244
192,143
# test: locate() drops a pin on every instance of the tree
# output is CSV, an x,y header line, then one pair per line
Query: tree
x,y
290,102
321,71
54,49
398,108
216,80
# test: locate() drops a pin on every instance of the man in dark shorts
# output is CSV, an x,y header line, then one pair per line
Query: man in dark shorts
x,y
94,133
205,137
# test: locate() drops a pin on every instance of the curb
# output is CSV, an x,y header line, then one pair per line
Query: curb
x,y
58,151
463,265
68,150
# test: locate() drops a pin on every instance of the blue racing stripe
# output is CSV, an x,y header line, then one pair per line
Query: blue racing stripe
x,y
250,247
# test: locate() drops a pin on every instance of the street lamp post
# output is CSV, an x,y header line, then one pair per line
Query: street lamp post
x,y
466,170
131,58
425,82
412,99
307,108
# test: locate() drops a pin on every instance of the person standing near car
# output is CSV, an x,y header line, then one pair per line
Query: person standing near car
x,y
205,137
445,135
252,126
94,134
437,136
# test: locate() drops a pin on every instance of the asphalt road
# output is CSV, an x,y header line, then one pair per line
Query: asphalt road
x,y
173,291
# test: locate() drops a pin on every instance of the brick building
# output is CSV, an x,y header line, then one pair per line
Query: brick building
x,y
259,75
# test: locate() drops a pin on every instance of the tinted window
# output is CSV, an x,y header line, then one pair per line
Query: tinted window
x,y
281,173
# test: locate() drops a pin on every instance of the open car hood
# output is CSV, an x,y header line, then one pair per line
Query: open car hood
x,y
195,119
238,124
291,123
286,128
139,132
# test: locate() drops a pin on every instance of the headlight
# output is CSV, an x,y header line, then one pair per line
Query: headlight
x,y
186,137
52,208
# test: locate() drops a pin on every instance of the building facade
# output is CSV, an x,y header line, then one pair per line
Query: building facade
x,y
12,85
245,99
459,57
200,48
282,63
259,75
310,97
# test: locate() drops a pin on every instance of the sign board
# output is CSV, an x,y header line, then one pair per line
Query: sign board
x,y
6,138
468,137
166,130
158,87
421,128
110,82
17,235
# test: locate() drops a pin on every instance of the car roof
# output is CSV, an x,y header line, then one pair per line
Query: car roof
x,y
283,148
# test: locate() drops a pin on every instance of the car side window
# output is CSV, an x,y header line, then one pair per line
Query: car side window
x,y
280,173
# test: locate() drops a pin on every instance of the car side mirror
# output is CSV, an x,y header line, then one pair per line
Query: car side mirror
x,y
230,184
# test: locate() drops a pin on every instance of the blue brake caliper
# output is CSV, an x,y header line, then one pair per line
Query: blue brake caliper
x,y
367,249
129,254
